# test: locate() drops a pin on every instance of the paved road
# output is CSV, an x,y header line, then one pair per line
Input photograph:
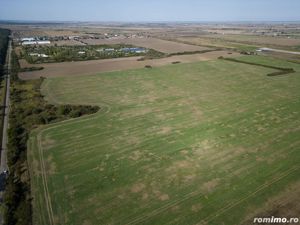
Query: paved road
x,y
278,50
3,165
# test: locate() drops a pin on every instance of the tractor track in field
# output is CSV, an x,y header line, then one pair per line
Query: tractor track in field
x,y
260,188
42,163
45,184
220,211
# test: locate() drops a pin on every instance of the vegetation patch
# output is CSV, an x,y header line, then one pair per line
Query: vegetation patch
x,y
28,69
194,52
4,33
282,71
48,54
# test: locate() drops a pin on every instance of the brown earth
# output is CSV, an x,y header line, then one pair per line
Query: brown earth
x,y
66,43
106,65
218,40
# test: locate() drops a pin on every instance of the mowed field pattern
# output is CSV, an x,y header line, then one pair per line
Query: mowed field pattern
x,y
198,143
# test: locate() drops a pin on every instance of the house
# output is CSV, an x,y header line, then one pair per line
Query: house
x,y
36,42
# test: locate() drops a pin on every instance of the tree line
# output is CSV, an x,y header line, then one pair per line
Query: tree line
x,y
28,111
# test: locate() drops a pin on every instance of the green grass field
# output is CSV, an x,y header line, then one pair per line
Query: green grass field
x,y
200,143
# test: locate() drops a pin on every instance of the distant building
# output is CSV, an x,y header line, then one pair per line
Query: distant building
x,y
36,42
39,55
27,39
74,37
134,50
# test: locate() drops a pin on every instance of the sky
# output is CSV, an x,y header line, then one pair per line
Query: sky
x,y
150,10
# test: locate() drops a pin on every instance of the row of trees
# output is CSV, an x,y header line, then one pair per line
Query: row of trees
x,y
79,53
4,33
4,36
281,70
28,110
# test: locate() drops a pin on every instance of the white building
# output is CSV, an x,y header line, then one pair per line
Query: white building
x,y
39,55
36,42
28,39
43,42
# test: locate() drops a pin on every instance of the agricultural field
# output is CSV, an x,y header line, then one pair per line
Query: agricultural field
x,y
211,142
260,40
105,65
216,42
242,42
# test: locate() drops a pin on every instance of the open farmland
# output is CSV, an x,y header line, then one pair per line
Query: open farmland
x,y
259,40
105,65
243,42
152,43
67,43
201,143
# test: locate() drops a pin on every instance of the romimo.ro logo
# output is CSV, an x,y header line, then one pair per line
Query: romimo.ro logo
x,y
275,220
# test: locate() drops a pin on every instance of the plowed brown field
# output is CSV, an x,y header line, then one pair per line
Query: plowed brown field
x,y
98,66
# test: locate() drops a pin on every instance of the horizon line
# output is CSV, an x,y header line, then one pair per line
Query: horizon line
x,y
147,21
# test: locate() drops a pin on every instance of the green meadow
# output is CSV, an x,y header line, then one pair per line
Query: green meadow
x,y
200,143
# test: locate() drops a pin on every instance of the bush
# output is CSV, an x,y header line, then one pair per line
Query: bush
x,y
28,69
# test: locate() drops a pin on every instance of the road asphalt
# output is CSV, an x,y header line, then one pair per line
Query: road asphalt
x,y
3,163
